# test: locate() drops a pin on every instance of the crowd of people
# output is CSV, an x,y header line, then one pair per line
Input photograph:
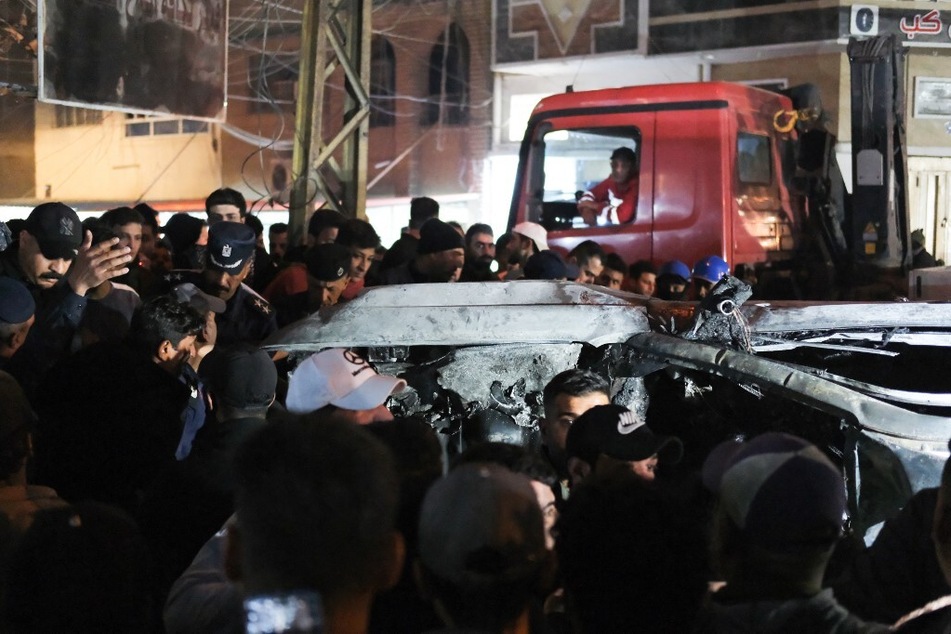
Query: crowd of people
x,y
159,471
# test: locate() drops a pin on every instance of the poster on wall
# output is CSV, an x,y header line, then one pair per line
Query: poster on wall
x,y
932,97
143,56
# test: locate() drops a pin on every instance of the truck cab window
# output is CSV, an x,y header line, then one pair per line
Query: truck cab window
x,y
589,177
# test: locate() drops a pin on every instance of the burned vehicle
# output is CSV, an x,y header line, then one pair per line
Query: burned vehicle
x,y
868,382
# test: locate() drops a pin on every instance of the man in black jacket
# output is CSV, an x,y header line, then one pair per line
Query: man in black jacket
x,y
110,416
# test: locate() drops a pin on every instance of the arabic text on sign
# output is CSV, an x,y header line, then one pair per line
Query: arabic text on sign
x,y
928,24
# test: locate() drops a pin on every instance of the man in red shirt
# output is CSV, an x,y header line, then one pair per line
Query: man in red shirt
x,y
614,198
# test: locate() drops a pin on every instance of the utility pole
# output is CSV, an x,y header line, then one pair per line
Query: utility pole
x,y
333,33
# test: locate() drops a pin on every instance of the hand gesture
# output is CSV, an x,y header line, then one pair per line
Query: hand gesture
x,y
206,340
94,265
589,211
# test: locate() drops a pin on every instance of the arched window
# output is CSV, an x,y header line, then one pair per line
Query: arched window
x,y
382,83
449,78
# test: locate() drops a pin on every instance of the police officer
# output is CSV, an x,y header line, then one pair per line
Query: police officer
x,y
16,317
247,316
57,262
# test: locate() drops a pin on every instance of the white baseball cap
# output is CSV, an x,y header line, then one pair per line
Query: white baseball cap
x,y
341,378
534,231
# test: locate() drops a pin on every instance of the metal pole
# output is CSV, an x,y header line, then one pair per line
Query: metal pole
x,y
332,34
306,100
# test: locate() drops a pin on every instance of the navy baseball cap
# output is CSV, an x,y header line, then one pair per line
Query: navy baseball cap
x,y
16,302
230,246
57,230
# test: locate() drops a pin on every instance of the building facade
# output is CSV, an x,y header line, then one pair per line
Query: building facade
x,y
542,47
453,83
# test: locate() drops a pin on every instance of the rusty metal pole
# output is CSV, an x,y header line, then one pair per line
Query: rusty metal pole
x,y
358,105
332,34
303,136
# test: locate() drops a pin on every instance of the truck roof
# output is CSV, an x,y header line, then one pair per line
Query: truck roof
x,y
734,94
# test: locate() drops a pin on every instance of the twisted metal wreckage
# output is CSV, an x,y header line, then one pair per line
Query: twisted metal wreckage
x,y
868,382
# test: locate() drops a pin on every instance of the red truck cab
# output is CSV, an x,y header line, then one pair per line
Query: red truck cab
x,y
710,170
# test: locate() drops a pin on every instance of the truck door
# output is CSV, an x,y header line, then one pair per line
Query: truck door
x,y
570,154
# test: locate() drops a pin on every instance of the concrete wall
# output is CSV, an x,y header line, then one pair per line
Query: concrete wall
x,y
17,156
100,163
825,71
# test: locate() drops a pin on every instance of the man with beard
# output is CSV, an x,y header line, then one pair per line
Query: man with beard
x,y
480,252
248,316
439,257
58,266
528,238
672,279
188,237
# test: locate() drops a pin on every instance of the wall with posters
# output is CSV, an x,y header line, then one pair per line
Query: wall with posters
x,y
164,56
929,79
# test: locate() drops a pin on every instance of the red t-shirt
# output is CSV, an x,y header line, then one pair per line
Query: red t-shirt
x,y
620,201
290,281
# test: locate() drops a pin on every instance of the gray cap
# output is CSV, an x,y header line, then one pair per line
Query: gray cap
x,y
201,301
481,524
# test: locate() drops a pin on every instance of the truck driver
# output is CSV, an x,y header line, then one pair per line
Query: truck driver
x,y
614,198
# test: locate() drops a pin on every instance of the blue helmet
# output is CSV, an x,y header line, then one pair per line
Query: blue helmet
x,y
674,268
711,269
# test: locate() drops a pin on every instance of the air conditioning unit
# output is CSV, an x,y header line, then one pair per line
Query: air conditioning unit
x,y
280,180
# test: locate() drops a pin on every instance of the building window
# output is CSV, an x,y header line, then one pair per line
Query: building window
x,y
273,80
382,83
145,125
68,117
449,79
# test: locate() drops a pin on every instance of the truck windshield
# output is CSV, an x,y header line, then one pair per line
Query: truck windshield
x,y
575,161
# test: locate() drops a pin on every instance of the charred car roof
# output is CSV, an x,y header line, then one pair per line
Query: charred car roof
x,y
870,382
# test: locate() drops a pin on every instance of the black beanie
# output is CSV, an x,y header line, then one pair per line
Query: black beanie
x,y
435,236
327,262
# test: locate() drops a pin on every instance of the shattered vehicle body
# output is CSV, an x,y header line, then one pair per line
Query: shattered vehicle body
x,y
870,383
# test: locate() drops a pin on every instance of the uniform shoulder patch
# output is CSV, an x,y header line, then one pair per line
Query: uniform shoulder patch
x,y
259,304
